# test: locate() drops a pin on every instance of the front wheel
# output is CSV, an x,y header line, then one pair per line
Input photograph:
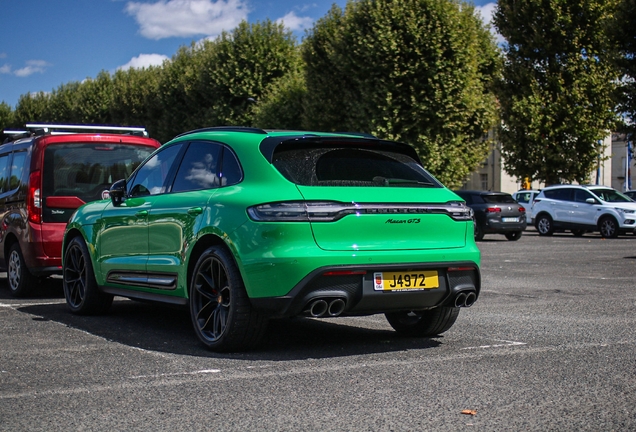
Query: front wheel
x,y
544,225
513,236
83,297
608,227
21,281
425,323
221,312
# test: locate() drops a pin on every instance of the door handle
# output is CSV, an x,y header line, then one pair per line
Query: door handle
x,y
141,214
194,211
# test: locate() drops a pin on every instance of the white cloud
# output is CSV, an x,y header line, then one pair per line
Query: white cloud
x,y
32,66
184,18
294,22
487,11
144,61
5,69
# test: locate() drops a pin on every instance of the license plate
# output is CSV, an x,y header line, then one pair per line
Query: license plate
x,y
509,219
413,280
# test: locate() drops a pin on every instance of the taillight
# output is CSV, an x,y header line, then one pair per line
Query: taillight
x,y
34,200
330,211
493,210
522,209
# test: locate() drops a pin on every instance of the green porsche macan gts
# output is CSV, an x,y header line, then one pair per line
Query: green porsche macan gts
x,y
245,225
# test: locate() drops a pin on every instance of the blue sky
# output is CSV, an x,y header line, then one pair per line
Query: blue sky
x,y
46,43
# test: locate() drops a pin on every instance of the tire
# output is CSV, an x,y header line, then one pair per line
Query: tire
x,y
221,312
513,236
608,227
578,233
479,232
426,323
83,296
544,225
20,280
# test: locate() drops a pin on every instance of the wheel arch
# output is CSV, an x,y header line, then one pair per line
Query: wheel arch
x,y
200,246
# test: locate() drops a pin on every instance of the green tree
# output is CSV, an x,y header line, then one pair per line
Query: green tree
x,y
6,116
557,87
623,33
32,107
283,103
417,71
237,67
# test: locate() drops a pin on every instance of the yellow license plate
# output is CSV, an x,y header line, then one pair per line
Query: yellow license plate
x,y
412,280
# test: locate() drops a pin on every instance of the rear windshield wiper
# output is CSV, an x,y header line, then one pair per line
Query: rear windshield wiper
x,y
402,182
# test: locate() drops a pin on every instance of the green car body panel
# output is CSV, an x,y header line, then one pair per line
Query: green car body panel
x,y
148,246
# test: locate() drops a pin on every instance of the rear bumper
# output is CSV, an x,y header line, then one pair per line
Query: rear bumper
x,y
496,226
354,286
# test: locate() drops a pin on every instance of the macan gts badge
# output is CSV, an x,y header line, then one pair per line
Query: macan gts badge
x,y
245,225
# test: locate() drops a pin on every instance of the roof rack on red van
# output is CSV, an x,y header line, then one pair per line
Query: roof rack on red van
x,y
44,128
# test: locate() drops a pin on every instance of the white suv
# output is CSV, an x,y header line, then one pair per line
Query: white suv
x,y
582,208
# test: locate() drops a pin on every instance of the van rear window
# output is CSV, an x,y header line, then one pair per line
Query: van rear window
x,y
84,171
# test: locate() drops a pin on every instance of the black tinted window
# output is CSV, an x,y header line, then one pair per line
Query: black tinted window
x,y
232,173
581,195
564,194
329,166
198,170
498,199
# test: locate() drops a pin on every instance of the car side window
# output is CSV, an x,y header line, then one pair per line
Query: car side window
x,y
564,194
4,172
151,177
231,170
199,168
15,176
581,195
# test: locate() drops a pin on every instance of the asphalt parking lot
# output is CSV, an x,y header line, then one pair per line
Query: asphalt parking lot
x,y
549,345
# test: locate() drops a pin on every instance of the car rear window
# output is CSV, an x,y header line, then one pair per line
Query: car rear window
x,y
84,171
498,199
350,166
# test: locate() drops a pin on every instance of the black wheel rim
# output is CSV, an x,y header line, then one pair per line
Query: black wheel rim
x,y
211,299
608,229
75,276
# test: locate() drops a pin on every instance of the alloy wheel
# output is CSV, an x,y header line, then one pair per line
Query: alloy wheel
x,y
75,276
211,299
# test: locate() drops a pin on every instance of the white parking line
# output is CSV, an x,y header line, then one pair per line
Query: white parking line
x,y
19,305
504,344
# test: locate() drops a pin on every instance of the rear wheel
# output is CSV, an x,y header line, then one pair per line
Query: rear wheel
x,y
608,227
21,282
221,312
83,297
426,323
479,232
544,225
513,236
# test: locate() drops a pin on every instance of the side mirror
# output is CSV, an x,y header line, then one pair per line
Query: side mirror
x,y
117,192
590,201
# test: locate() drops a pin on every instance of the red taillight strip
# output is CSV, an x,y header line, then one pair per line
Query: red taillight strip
x,y
344,273
454,269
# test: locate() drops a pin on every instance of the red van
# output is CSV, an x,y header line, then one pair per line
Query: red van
x,y
46,172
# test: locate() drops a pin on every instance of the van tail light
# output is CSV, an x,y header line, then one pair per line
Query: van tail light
x,y
34,200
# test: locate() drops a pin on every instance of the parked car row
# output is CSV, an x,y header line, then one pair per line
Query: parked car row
x,y
242,225
558,208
